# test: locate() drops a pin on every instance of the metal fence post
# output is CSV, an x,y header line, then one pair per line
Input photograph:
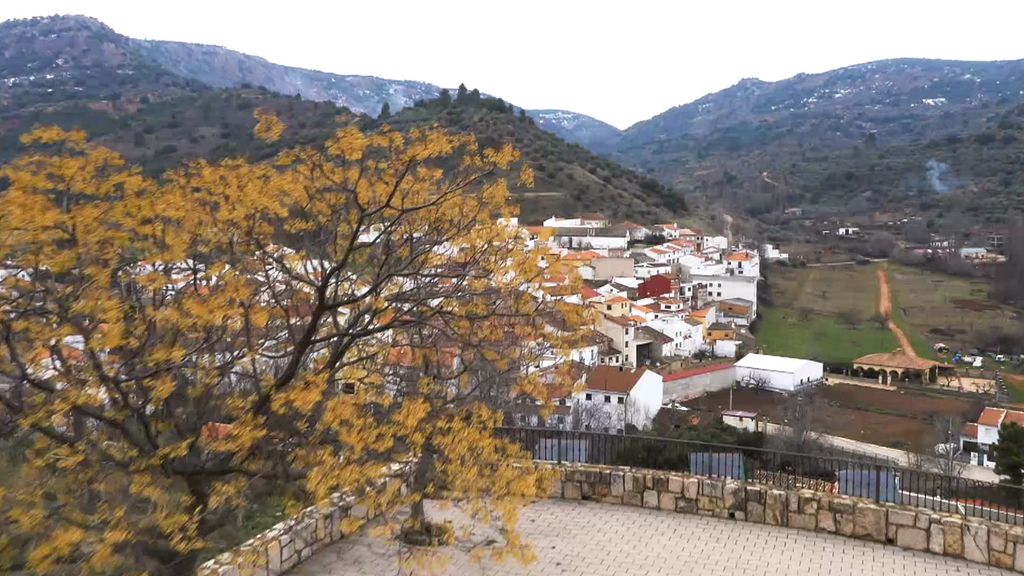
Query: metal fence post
x,y
878,483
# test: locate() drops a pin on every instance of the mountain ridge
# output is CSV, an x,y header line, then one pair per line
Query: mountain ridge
x,y
79,73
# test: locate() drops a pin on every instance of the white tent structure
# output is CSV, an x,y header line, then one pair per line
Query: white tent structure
x,y
778,372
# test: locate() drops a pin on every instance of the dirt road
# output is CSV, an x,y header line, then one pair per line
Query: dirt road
x,y
885,309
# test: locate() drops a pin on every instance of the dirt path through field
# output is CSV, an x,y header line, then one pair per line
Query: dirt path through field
x,y
885,309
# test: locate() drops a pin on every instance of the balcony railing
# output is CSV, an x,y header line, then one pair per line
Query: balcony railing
x,y
846,474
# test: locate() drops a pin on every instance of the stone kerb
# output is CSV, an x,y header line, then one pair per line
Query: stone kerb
x,y
973,539
294,540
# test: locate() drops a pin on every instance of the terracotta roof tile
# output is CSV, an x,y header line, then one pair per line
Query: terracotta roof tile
x,y
991,417
614,379
738,256
1015,417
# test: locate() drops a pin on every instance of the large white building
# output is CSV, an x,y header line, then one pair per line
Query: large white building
x,y
778,372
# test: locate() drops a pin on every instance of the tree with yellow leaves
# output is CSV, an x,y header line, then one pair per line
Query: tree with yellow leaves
x,y
173,348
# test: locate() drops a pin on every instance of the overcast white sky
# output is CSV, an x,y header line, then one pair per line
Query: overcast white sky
x,y
621,61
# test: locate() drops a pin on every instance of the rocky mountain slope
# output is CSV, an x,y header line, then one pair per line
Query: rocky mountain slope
x,y
223,68
859,137
581,129
76,72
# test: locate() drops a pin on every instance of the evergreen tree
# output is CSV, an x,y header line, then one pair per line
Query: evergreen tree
x,y
385,111
1009,452
522,115
474,96
460,97
445,98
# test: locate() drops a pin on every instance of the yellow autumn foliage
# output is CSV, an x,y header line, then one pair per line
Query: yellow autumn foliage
x,y
185,348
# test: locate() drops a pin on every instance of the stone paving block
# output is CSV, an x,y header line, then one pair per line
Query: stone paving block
x,y
573,538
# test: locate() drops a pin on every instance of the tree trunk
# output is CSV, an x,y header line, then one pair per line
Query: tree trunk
x,y
420,481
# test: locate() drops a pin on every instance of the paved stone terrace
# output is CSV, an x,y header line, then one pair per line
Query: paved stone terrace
x,y
591,539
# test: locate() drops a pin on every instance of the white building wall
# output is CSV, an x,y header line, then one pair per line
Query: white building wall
x,y
725,348
784,381
727,287
686,338
644,400
584,241
682,389
648,270
987,434
719,242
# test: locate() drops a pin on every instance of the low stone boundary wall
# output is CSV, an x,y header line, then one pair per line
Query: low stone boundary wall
x,y
974,539
293,541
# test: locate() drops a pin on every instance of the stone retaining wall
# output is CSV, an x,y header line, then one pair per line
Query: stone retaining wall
x,y
291,542
974,539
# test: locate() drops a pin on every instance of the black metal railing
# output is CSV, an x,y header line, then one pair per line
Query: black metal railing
x,y
847,474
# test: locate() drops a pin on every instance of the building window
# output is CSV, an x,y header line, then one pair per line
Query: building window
x,y
607,399
608,307
561,420
618,430
621,400
589,397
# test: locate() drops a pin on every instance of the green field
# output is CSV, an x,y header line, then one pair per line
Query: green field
x,y
829,313
820,338
824,313
933,308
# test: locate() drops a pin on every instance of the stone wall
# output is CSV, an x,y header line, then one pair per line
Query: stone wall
x,y
291,542
974,539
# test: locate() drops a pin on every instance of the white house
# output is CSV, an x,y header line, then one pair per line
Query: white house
x,y
614,396
778,372
770,253
741,420
718,242
648,269
687,335
743,263
590,238
848,231
978,438
729,287
708,268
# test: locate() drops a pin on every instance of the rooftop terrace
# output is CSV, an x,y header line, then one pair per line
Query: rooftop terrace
x,y
590,538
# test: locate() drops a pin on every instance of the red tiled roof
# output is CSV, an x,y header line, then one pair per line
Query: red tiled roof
x,y
588,293
991,417
738,256
616,300
618,320
585,255
614,379
1015,417
969,431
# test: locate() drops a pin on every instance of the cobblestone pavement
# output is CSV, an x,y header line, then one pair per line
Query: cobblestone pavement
x,y
590,539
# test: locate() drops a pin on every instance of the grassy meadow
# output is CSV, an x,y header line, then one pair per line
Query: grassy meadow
x,y
829,313
825,313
